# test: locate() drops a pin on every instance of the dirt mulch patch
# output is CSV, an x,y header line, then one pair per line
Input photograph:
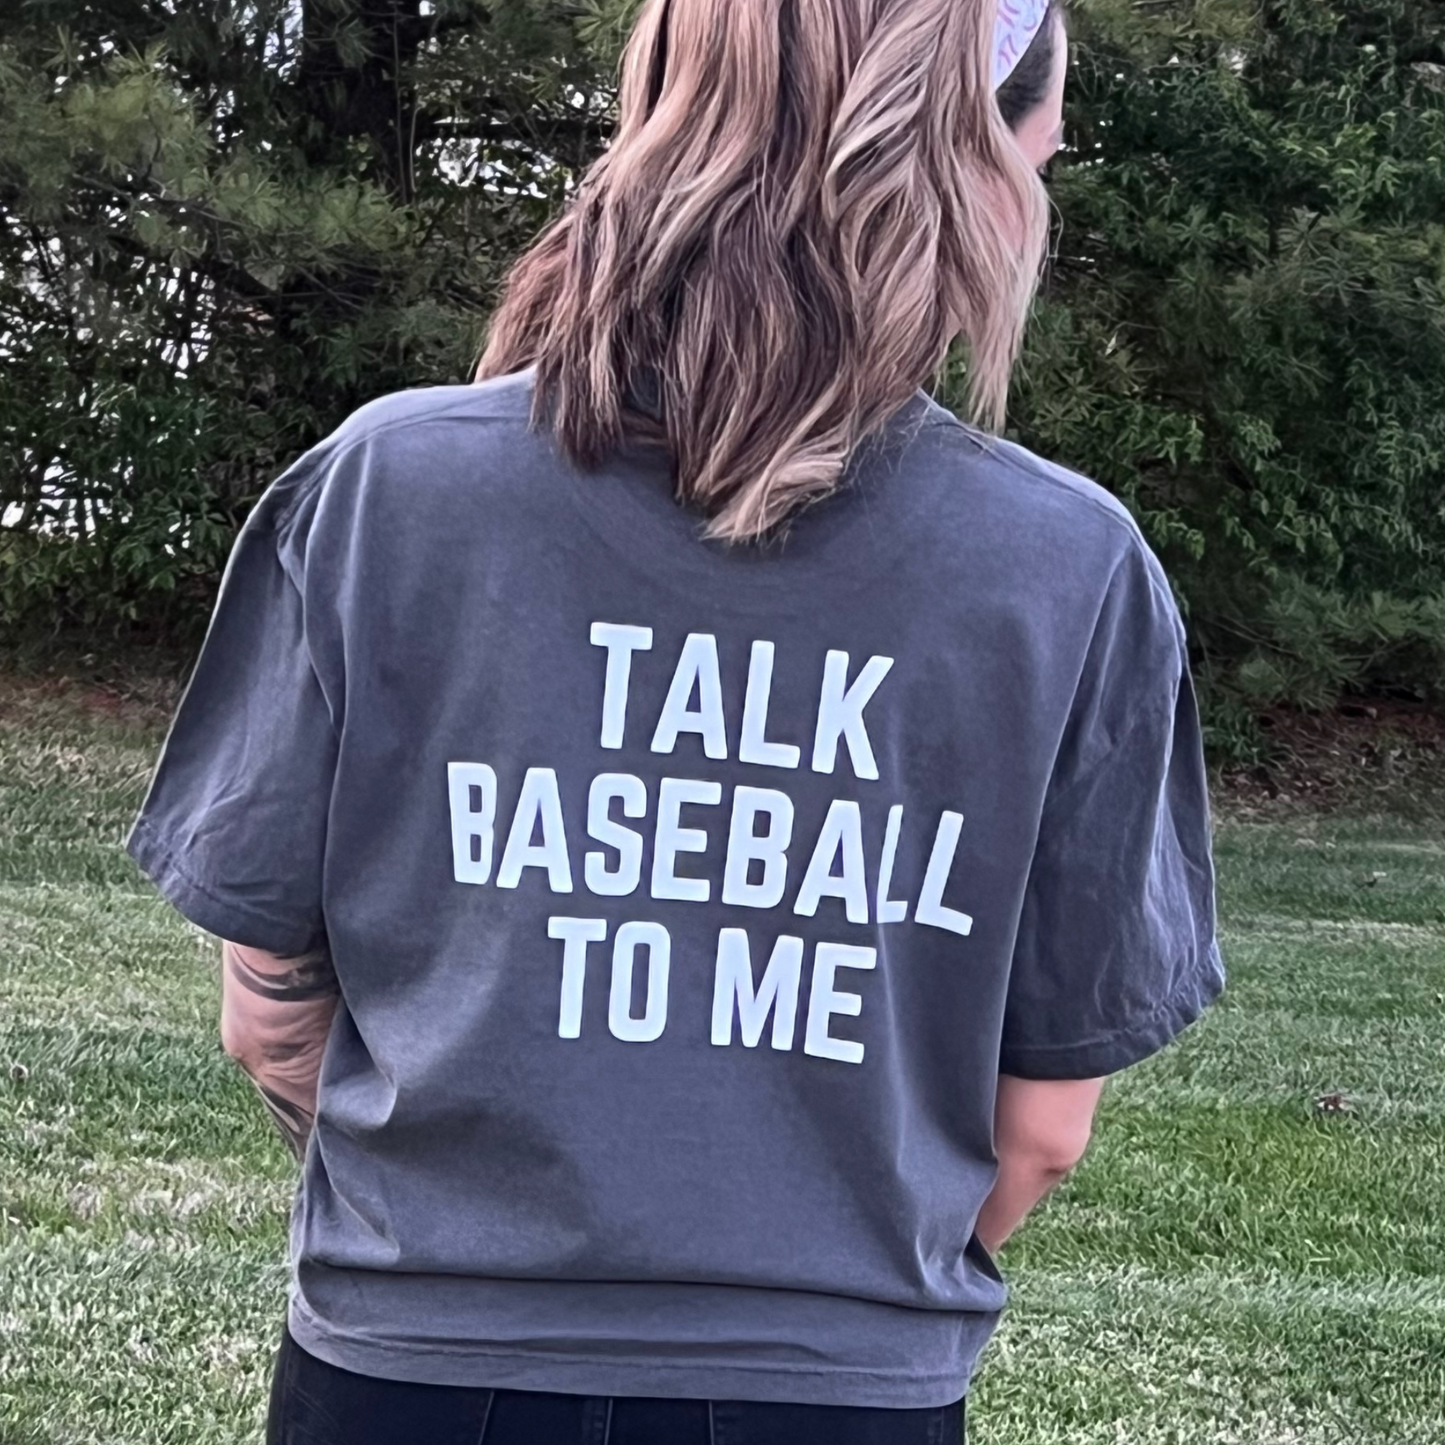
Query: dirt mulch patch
x,y
140,691
1367,755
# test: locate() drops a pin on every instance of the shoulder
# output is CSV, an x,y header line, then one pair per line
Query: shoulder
x,y
1043,515
502,400
403,428
1028,483
412,418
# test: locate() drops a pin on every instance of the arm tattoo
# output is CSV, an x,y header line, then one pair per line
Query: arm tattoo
x,y
292,1120
282,1008
302,979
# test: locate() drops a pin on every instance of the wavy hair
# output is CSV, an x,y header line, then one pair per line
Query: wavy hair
x,y
804,204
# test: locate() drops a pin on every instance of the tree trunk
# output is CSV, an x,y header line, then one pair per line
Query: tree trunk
x,y
369,99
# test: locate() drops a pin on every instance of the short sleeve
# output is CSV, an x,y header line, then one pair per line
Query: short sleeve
x,y
233,827
1116,952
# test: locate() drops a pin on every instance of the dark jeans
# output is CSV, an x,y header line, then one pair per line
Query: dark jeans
x,y
313,1403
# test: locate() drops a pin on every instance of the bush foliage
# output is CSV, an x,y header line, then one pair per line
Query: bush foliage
x,y
225,224
1244,329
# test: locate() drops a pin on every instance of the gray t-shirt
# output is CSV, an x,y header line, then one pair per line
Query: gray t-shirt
x,y
687,901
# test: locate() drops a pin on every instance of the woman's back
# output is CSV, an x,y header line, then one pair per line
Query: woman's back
x,y
720,816
686,900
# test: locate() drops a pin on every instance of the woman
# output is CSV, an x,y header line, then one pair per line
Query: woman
x,y
711,819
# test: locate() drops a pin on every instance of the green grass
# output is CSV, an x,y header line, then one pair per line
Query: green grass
x,y
1230,1264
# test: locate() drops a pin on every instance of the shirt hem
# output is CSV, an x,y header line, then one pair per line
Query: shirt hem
x,y
558,1372
234,922
1112,1054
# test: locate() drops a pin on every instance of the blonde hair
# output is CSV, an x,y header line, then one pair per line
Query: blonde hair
x,y
804,204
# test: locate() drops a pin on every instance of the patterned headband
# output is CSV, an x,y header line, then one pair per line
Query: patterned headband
x,y
1018,22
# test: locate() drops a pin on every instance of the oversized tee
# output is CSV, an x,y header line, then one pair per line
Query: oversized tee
x,y
687,900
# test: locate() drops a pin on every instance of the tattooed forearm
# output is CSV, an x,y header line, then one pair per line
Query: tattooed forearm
x,y
292,1119
276,1014
302,979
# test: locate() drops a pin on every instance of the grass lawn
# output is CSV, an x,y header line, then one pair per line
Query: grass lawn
x,y
1231,1264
